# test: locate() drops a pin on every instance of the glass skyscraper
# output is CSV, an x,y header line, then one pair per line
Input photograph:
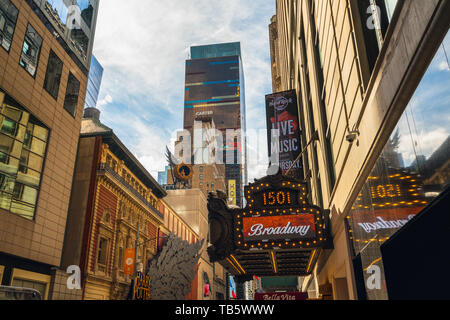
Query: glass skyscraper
x,y
94,82
215,86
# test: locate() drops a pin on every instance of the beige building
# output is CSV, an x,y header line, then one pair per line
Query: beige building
x,y
359,69
191,206
44,66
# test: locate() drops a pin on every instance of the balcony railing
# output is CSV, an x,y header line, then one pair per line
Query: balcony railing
x,y
104,167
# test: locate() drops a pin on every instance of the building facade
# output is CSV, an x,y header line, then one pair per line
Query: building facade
x,y
113,196
43,77
191,205
215,87
363,72
94,83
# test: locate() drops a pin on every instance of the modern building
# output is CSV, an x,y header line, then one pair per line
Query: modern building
x,y
94,83
215,87
372,79
113,195
44,67
162,176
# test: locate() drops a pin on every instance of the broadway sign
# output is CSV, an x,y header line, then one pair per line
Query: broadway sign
x,y
279,227
279,215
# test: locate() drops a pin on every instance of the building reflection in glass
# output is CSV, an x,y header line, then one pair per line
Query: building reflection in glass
x,y
412,170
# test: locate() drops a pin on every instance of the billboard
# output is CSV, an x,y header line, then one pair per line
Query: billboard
x,y
282,115
232,191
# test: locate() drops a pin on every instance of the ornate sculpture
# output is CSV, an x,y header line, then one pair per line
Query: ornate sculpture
x,y
173,269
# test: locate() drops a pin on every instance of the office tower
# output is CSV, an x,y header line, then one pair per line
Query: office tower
x,y
362,70
94,82
44,63
215,87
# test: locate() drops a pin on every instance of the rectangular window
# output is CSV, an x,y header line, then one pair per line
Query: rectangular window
x,y
23,143
31,50
72,91
53,75
102,251
8,19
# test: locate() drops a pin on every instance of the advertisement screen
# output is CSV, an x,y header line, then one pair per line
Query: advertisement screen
x,y
282,114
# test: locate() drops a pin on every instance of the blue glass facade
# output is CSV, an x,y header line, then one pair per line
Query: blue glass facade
x,y
94,82
216,50
215,85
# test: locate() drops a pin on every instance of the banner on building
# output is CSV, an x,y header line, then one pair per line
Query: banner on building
x,y
129,261
232,192
282,114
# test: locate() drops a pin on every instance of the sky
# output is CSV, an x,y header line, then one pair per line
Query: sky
x,y
143,45
424,126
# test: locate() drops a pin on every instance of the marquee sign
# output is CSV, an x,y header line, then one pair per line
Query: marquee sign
x,y
278,215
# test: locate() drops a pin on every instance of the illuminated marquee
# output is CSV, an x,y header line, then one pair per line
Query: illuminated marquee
x,y
278,215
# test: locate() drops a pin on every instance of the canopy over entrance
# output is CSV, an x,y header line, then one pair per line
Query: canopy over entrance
x,y
278,233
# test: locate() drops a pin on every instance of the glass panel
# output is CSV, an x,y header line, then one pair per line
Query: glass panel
x,y
411,171
41,287
31,160
8,19
10,146
31,50
12,113
9,126
71,100
5,200
53,75
38,146
40,132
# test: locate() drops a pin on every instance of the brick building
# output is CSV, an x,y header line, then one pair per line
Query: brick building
x,y
113,193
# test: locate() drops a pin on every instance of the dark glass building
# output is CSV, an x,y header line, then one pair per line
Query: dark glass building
x,y
94,82
215,86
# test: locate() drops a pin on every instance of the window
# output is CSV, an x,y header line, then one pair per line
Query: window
x,y
8,19
411,171
201,177
23,143
102,252
201,168
31,50
71,100
53,75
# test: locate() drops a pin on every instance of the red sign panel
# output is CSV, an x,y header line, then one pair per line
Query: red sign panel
x,y
379,219
279,227
281,296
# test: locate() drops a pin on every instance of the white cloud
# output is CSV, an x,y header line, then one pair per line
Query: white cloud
x,y
143,46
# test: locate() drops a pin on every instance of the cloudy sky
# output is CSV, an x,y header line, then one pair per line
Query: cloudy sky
x,y
143,45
